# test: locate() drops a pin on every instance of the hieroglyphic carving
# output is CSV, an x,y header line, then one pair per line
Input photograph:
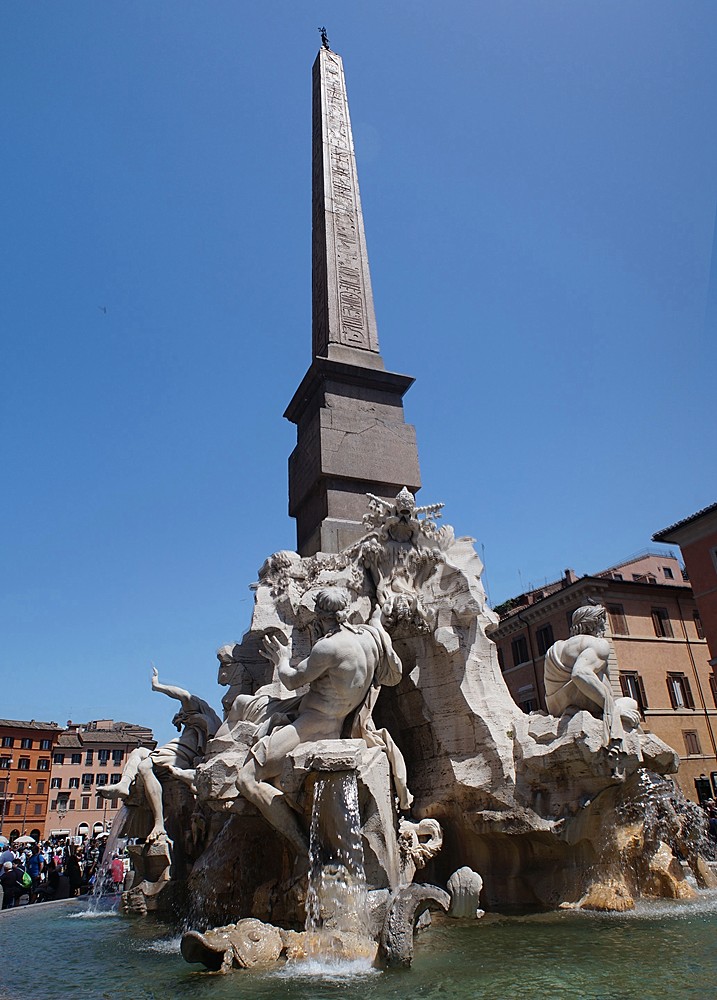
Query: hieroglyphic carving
x,y
343,304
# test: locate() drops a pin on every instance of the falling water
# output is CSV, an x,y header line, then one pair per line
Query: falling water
x,y
336,901
103,869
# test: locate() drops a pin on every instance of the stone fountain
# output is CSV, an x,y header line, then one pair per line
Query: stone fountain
x,y
370,764
372,669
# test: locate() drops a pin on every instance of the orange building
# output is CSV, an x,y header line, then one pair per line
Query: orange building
x,y
87,757
659,654
697,537
25,766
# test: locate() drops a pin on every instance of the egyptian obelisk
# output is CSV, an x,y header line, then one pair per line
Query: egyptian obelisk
x,y
352,438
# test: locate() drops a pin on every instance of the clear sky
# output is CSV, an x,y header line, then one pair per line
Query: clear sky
x,y
539,184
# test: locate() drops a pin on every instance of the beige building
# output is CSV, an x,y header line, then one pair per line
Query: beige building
x,y
659,653
85,758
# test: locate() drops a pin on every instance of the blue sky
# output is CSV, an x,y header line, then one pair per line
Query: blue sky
x,y
539,183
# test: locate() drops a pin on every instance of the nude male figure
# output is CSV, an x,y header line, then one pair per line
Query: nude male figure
x,y
196,722
576,676
340,670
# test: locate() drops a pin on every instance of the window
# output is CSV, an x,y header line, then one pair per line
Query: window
x,y
101,779
698,624
116,778
58,758
24,764
637,577
40,787
501,661
18,808
99,802
74,782
617,576
117,756
618,622
103,756
26,743
528,706
38,808
632,687
76,758
8,741
71,804
53,804
661,623
87,779
55,782
89,758
5,762
20,786
46,744
669,575
680,692
545,640
519,649
85,802
692,742
43,764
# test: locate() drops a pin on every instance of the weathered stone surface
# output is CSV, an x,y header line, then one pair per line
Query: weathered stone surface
x,y
465,887
407,905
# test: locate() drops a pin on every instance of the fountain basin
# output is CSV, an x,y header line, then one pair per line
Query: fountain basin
x,y
660,949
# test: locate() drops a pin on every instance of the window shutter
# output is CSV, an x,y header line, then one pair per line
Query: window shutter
x,y
713,686
641,689
689,700
671,691
623,686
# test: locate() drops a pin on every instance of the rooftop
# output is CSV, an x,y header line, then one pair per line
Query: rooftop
x,y
659,536
32,724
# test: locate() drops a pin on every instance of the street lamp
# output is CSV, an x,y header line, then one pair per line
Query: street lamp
x,y
6,786
24,815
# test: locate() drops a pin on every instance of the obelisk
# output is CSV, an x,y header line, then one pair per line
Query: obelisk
x,y
352,438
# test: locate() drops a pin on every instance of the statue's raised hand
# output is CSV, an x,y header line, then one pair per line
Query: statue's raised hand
x,y
155,676
273,649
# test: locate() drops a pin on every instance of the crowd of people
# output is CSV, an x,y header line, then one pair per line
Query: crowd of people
x,y
58,869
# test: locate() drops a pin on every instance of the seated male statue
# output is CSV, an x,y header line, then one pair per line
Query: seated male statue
x,y
196,723
341,670
576,677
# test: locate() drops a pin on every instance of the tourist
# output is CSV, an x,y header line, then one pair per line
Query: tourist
x,y
12,884
73,871
57,885
35,868
117,873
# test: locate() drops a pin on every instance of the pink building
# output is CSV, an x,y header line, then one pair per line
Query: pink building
x,y
85,758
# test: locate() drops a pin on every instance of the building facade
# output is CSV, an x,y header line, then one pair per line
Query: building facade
x,y
697,538
26,750
659,654
87,757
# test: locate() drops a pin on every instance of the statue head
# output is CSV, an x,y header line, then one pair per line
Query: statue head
x,y
331,603
405,503
229,665
589,620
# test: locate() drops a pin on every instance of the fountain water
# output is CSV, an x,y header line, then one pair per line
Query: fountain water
x,y
337,898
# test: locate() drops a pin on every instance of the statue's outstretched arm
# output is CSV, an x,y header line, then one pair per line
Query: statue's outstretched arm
x,y
179,694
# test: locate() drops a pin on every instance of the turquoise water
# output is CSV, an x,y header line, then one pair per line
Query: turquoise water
x,y
663,950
